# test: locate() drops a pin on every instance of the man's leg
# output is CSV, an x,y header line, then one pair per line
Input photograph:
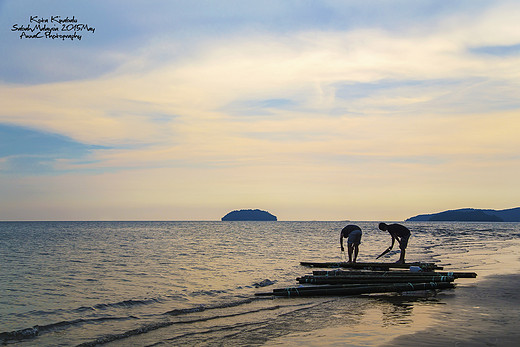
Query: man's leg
x,y
356,251
350,247
401,258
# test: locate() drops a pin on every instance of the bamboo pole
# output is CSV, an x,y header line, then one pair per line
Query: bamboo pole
x,y
378,279
347,273
357,290
430,266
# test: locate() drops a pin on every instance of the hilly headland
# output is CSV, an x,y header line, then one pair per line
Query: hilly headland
x,y
470,215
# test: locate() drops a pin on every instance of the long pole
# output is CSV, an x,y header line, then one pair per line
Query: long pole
x,y
401,287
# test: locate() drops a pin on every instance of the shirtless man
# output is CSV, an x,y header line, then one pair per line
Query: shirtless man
x,y
401,234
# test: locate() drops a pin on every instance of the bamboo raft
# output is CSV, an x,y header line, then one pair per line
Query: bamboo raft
x,y
370,280
357,289
372,266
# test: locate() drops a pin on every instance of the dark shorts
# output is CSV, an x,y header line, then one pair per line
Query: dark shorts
x,y
354,237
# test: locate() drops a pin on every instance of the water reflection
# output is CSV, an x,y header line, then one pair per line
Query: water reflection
x,y
353,320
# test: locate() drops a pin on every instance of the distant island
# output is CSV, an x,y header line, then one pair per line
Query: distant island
x,y
249,215
470,215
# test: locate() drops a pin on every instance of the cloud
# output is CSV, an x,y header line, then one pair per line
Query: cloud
x,y
127,27
265,107
289,105
27,151
497,50
297,79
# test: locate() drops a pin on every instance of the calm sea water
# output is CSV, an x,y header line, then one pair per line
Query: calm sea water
x,y
193,283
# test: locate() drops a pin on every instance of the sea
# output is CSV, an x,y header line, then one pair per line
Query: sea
x,y
194,284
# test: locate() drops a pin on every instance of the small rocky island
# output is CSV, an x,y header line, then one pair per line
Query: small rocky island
x,y
249,215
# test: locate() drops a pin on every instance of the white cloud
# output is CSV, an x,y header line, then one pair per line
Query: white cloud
x,y
365,111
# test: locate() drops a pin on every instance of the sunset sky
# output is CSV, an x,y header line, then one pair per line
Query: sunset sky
x,y
311,110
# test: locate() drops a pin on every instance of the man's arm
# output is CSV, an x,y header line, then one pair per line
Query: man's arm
x,y
393,240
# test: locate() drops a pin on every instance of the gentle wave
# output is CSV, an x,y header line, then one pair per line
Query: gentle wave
x,y
201,308
121,304
81,277
213,330
157,325
37,330
125,303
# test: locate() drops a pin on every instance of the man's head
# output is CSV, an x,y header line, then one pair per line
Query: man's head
x,y
383,226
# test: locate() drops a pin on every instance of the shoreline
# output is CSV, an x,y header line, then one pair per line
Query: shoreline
x,y
480,311
481,315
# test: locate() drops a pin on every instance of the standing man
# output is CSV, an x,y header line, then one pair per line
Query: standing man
x,y
353,235
401,234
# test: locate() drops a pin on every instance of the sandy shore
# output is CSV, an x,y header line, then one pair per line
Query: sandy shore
x,y
479,312
485,312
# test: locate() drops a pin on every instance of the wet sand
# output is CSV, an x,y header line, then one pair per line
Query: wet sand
x,y
485,312
479,312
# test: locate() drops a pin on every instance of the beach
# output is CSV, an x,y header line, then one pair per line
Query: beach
x,y
479,312
483,313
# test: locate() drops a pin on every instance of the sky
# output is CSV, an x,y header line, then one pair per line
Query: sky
x,y
311,110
